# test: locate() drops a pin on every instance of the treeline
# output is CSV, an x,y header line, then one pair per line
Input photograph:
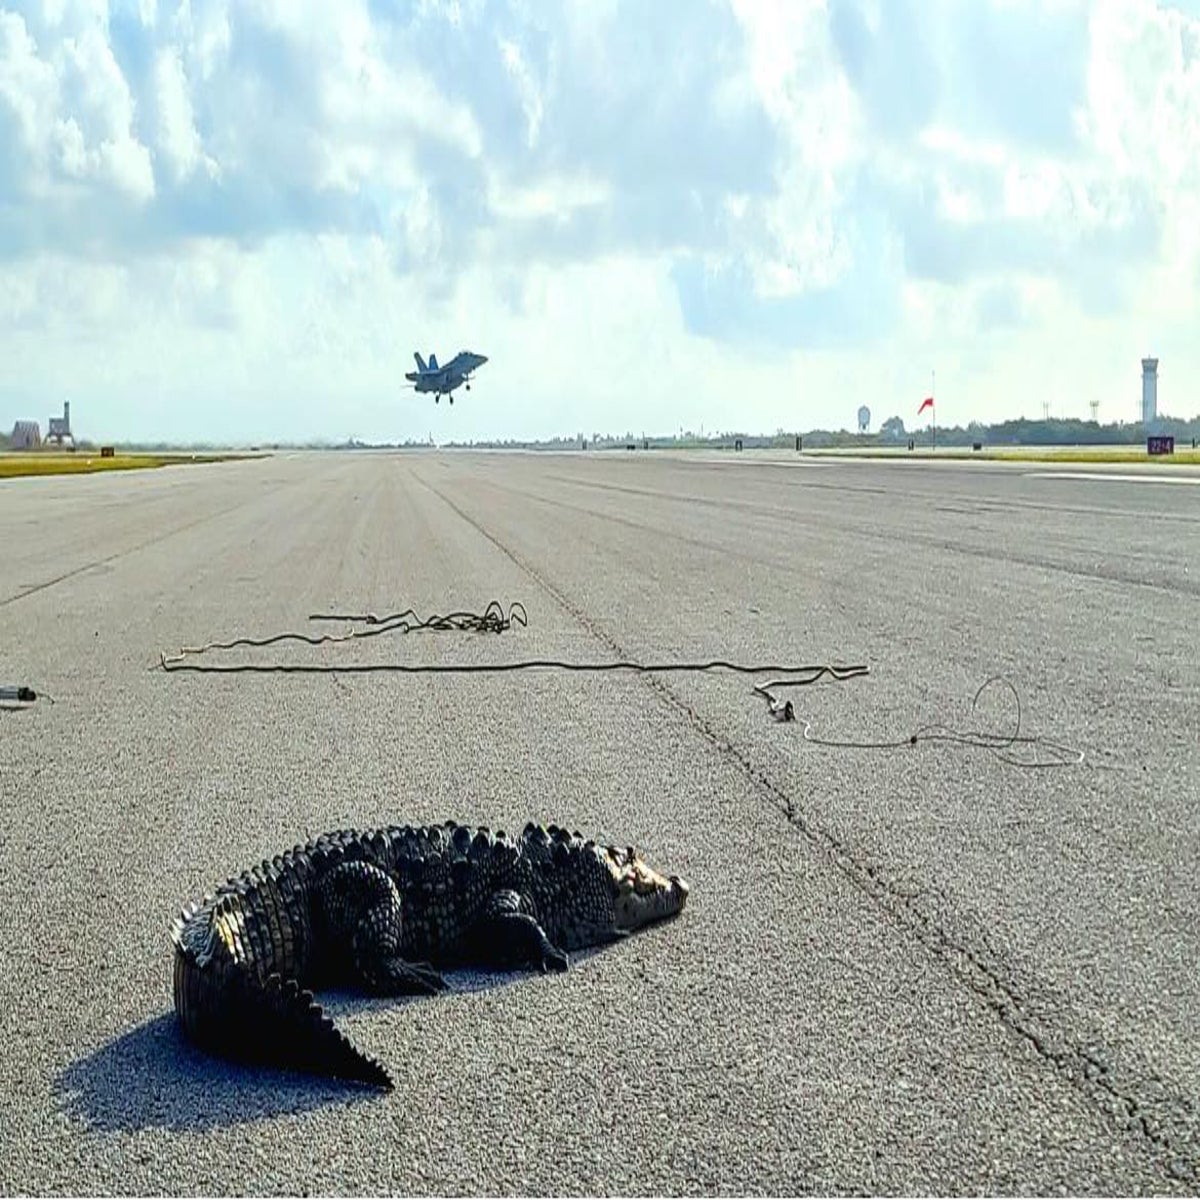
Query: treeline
x,y
1024,432
1018,432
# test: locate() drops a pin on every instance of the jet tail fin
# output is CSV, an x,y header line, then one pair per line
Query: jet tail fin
x,y
433,362
420,362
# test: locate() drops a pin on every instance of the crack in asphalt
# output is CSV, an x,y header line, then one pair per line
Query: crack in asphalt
x,y
1178,1152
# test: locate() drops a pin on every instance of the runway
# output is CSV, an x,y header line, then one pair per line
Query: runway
x,y
916,969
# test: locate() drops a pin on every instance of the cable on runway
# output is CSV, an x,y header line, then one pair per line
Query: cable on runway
x,y
1055,754
494,619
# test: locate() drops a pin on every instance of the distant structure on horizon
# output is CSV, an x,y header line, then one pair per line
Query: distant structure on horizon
x,y
864,419
25,436
60,427
1149,390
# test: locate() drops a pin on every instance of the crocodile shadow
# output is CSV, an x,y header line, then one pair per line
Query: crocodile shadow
x,y
153,1078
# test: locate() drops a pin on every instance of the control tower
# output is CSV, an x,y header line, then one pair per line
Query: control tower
x,y
1149,390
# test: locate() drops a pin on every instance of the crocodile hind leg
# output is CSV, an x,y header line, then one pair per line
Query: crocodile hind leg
x,y
359,917
508,935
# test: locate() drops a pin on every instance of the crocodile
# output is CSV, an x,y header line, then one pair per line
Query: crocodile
x,y
385,911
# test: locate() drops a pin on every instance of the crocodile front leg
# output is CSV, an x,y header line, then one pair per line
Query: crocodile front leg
x,y
507,935
358,916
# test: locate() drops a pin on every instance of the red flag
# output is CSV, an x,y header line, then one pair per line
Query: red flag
x,y
926,403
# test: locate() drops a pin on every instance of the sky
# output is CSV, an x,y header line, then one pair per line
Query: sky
x,y
236,220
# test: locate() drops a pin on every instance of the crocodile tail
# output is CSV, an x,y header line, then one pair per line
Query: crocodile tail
x,y
297,1033
227,1010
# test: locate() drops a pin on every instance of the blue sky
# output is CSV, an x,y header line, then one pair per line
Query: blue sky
x,y
237,219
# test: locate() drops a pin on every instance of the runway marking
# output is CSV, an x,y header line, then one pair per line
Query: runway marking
x,y
1112,476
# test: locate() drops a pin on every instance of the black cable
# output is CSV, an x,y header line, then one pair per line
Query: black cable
x,y
494,620
1057,755
491,620
174,664
784,711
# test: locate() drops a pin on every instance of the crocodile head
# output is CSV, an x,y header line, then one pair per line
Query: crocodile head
x,y
604,893
586,893
640,895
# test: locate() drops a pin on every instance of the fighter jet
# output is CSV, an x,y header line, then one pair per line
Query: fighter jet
x,y
442,381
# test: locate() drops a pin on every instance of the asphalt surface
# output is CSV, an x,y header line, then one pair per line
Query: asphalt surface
x,y
919,969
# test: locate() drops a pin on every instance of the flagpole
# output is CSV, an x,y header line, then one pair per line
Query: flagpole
x,y
933,393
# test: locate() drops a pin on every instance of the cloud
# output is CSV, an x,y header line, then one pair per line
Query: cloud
x,y
1052,222
797,180
68,121
1014,70
887,54
261,119
856,308
1000,306
178,139
952,147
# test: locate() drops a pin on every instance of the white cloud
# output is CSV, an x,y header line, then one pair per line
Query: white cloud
x,y
28,86
527,86
69,112
178,139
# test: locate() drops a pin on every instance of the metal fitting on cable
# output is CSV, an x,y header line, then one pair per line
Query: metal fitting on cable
x,y
17,695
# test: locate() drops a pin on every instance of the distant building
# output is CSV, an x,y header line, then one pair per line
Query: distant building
x,y
1149,390
26,436
60,427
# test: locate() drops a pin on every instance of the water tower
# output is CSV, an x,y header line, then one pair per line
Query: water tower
x,y
864,419
1149,390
